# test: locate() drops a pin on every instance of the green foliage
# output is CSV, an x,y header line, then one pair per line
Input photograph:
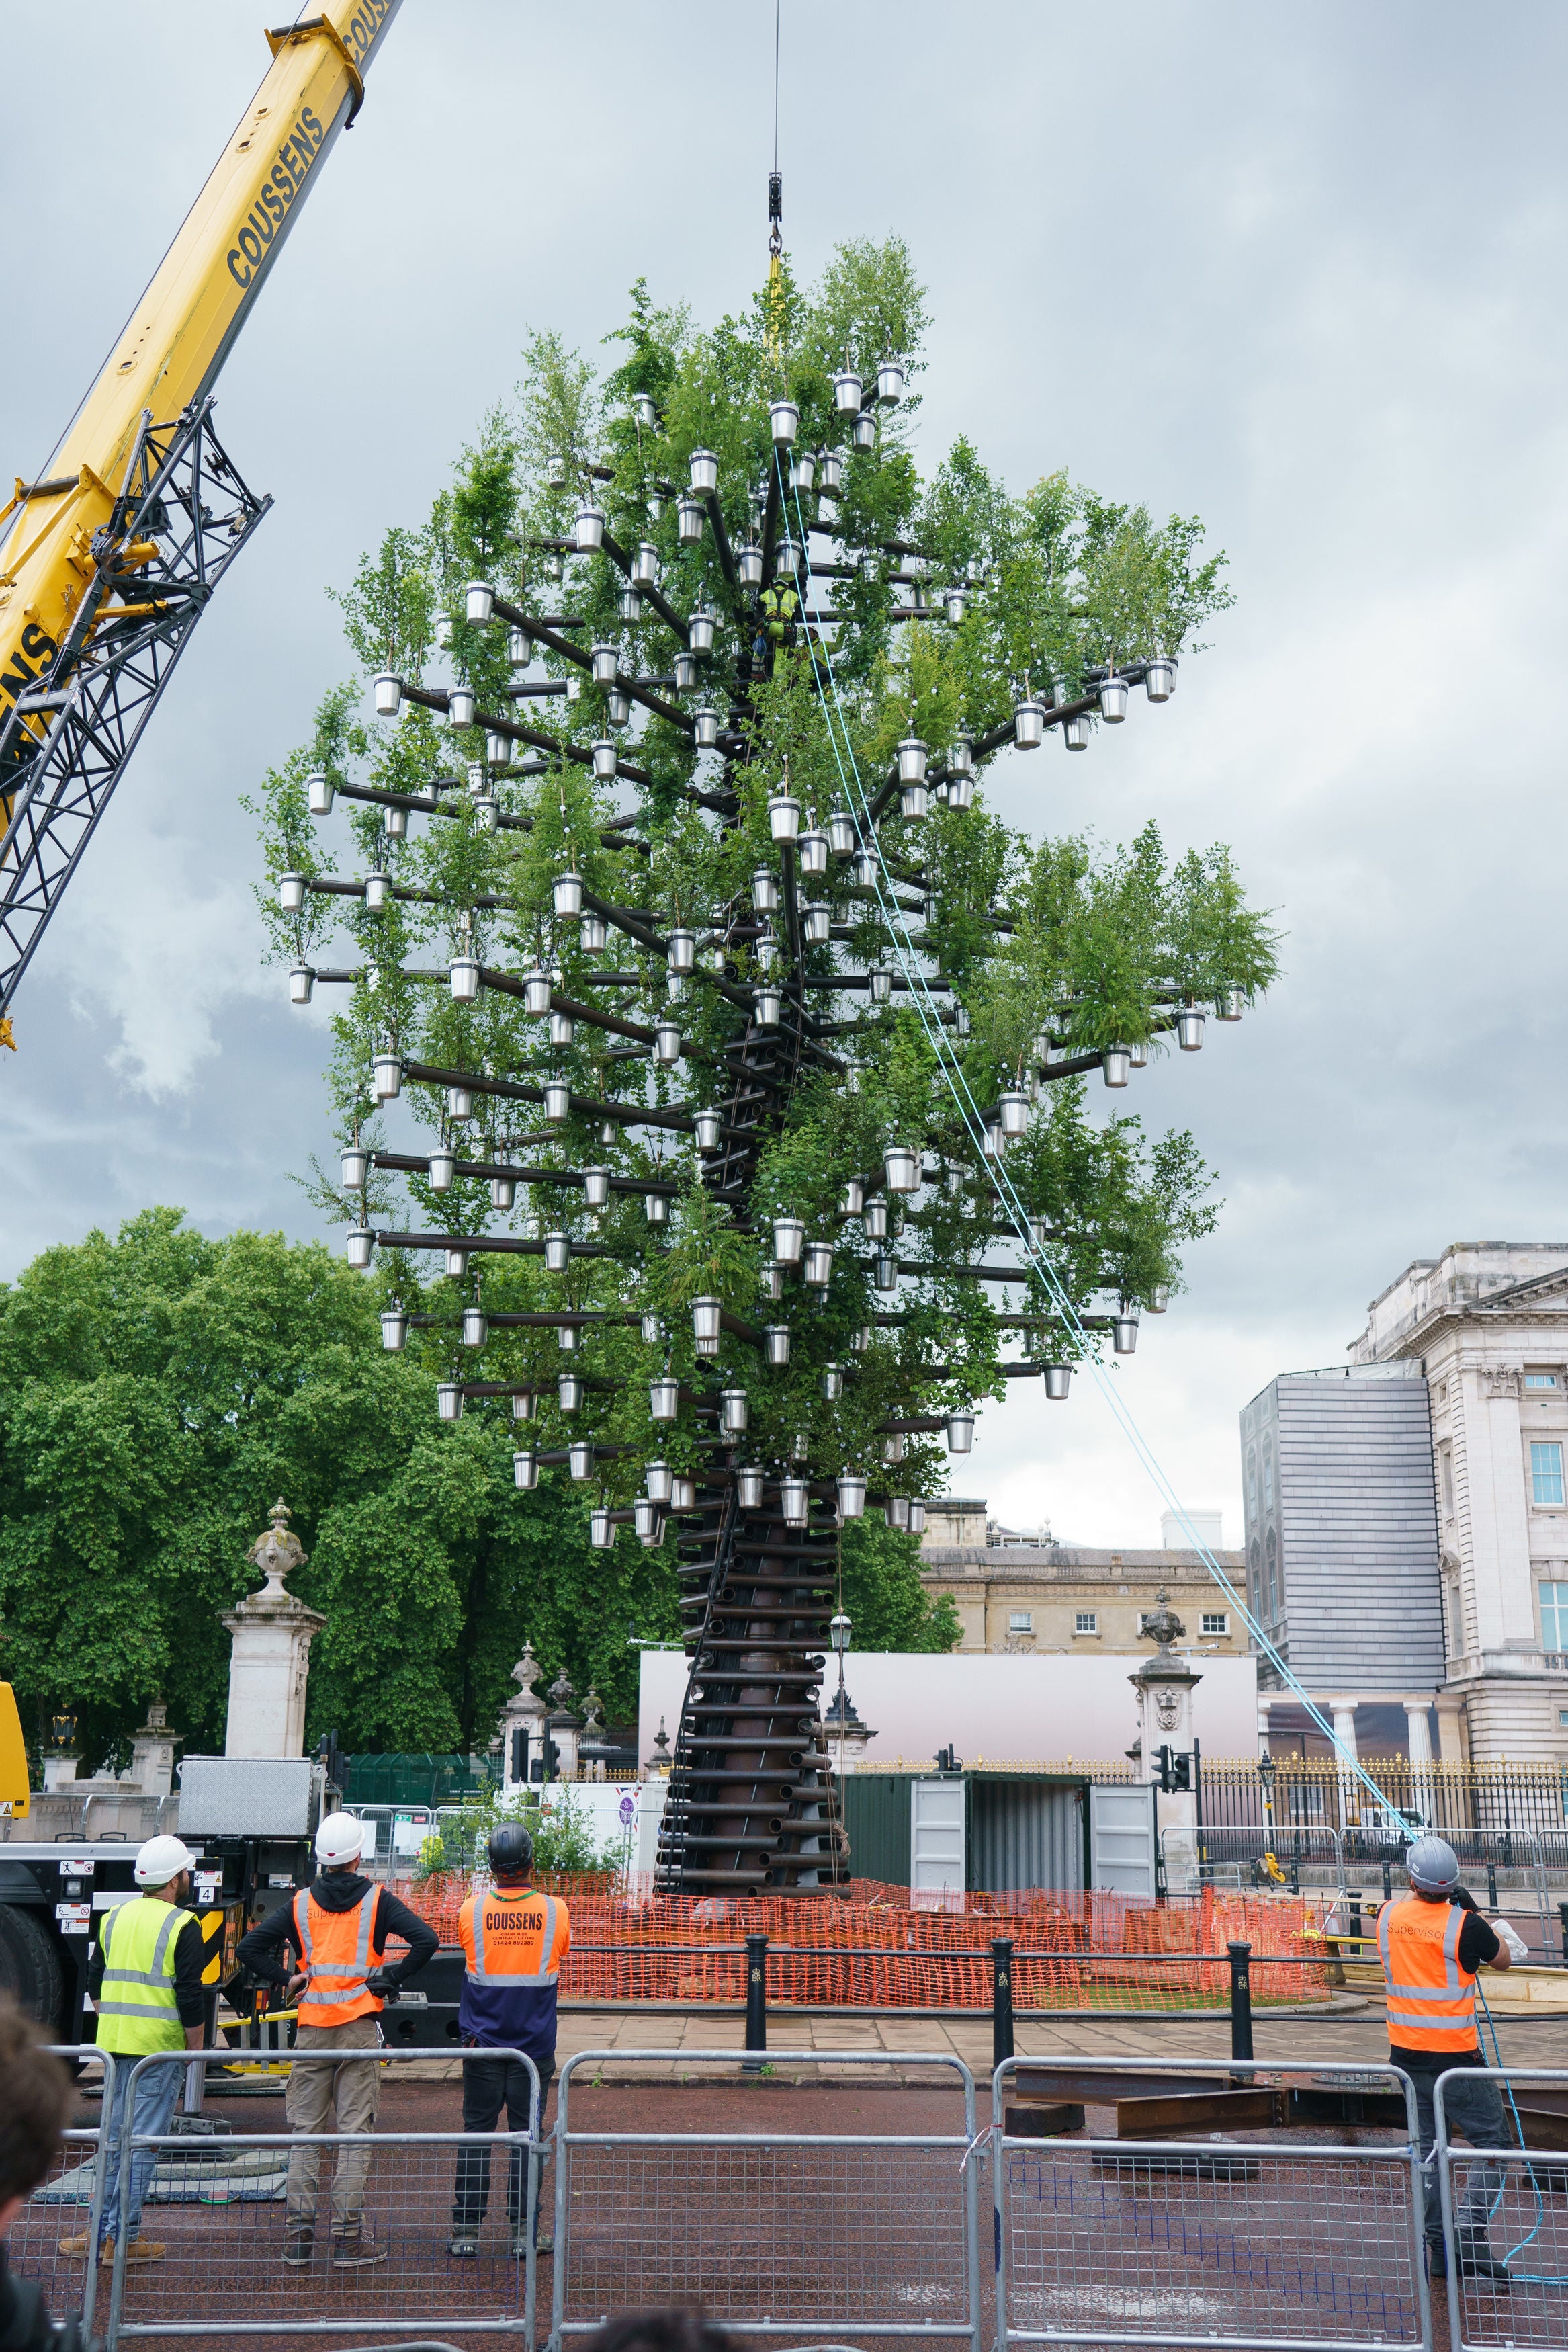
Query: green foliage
x,y
558,1821
158,1393
883,1597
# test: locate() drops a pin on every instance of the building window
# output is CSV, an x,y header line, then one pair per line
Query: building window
x,y
1545,1472
1273,1579
1020,1621
1447,1461
1554,1617
1251,1482
1540,1379
1255,1578
1216,1621
1086,1621
1268,1479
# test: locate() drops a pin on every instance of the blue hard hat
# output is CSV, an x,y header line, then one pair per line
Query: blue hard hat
x,y
1433,1865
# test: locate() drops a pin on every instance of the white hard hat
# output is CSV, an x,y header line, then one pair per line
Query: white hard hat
x,y
339,1839
1433,1865
161,1859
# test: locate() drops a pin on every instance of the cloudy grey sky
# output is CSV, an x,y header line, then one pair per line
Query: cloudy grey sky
x,y
1298,271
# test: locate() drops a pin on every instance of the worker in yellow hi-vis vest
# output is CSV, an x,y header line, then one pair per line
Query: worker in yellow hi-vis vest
x,y
144,1979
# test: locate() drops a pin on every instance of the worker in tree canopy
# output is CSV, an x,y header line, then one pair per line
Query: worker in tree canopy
x,y
339,1925
779,609
514,1941
144,1977
1432,1945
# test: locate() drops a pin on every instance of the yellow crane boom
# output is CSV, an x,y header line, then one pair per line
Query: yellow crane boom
x,y
109,556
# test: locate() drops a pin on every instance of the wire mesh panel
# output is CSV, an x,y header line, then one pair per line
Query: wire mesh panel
x,y
381,2217
784,2232
1247,2238
1505,2208
769,2233
48,2240
284,2233
1259,2245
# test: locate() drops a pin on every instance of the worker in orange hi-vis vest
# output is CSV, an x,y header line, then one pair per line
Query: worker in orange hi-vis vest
x,y
514,1941
1432,1943
339,1925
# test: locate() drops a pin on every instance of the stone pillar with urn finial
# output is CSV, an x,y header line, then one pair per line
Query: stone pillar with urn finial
x,y
522,1726
1164,1685
152,1753
271,1633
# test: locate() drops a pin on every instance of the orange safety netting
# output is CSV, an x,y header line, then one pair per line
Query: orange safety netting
x,y
882,1949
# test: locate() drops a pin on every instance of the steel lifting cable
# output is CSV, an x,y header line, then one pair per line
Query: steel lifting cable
x,y
975,1124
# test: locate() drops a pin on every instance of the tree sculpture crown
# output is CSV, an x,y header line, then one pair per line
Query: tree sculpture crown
x,y
680,932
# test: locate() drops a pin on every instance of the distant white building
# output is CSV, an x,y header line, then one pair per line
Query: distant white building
x,y
1487,1324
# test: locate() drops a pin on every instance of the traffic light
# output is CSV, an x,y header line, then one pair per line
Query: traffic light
x,y
1176,1772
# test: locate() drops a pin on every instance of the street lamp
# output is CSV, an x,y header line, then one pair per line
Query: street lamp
x,y
839,1637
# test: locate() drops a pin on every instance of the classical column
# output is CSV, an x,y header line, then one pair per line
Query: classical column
x,y
1450,1729
1420,1729
1265,1715
272,1632
1343,1711
1344,1725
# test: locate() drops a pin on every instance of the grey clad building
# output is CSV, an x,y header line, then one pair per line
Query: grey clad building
x,y
1342,1545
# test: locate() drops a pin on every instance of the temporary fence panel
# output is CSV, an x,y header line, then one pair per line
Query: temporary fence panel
x,y
770,2233
67,2206
1251,2241
1025,1834
220,2202
1526,2194
1121,1838
938,1811
887,1947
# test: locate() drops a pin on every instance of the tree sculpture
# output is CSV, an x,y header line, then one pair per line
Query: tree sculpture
x,y
680,931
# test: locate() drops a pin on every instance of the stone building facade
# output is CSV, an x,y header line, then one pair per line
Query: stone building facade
x,y
1025,1592
1486,1325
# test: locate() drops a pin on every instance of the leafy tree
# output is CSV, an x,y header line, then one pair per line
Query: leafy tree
x,y
159,1390
883,1600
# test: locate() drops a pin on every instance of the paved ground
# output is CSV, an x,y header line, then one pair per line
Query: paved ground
x,y
1358,2035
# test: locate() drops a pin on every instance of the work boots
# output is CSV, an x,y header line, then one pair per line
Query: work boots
x,y
356,2250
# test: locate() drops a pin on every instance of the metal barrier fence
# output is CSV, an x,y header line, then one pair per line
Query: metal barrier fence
x,y
770,2233
1263,2242
220,2201
1231,1855
67,2205
1268,2239
1522,2195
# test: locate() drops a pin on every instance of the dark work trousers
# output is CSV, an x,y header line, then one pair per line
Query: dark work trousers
x,y
1475,2112
488,2085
